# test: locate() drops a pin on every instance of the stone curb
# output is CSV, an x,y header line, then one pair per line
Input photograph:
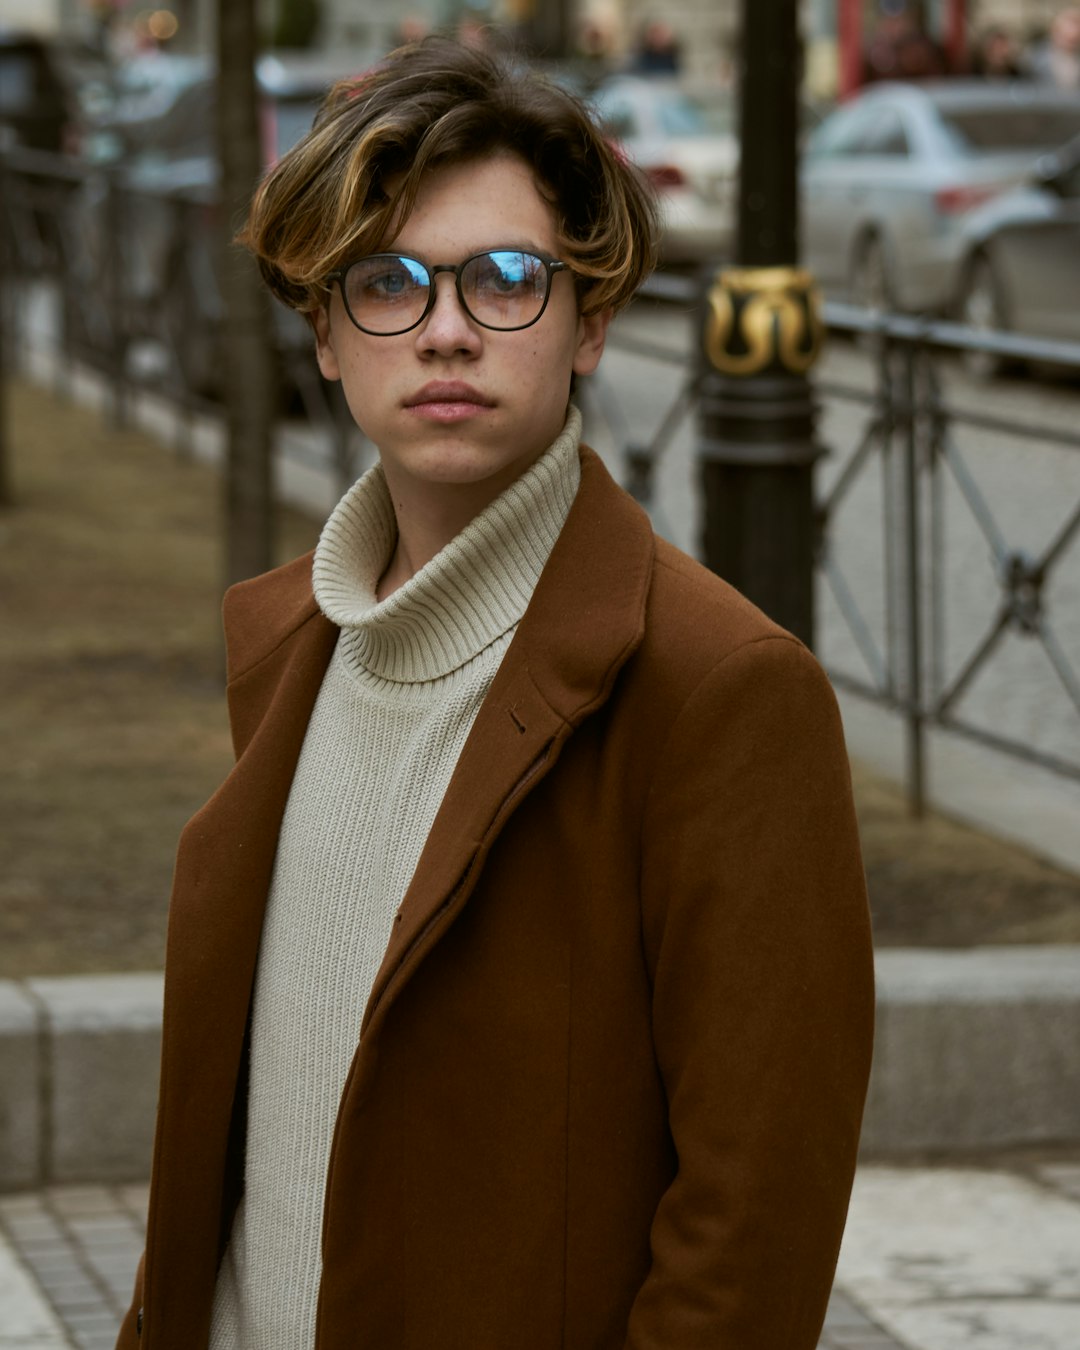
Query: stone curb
x,y
976,1049
78,1078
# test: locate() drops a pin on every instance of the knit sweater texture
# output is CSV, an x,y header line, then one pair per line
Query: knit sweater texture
x,y
404,685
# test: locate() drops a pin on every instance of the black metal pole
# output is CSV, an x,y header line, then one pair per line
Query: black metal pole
x,y
761,332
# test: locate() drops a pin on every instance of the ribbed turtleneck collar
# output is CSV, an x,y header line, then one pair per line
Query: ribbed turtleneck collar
x,y
470,594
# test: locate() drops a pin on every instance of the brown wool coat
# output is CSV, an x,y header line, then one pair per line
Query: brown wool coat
x,y
608,1086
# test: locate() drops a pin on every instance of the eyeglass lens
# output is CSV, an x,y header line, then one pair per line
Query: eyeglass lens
x,y
388,293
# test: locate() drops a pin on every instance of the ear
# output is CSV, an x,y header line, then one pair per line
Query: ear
x,y
592,335
325,353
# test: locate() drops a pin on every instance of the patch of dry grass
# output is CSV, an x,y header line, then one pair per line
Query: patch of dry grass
x,y
111,700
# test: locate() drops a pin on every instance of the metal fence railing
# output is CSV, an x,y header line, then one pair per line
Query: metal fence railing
x,y
921,651
930,450
129,275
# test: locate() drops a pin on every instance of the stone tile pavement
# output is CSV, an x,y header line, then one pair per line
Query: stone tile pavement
x,y
67,1264
935,1258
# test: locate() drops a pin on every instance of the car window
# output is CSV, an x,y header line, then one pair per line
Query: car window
x,y
885,135
679,117
618,118
977,131
874,130
1067,182
292,119
682,115
21,80
90,77
186,128
833,135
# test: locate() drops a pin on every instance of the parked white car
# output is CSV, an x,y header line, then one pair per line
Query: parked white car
x,y
1021,271
889,179
685,142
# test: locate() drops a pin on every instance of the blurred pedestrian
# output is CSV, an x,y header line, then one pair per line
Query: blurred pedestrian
x,y
1056,60
411,28
657,51
519,980
901,48
474,29
593,57
996,55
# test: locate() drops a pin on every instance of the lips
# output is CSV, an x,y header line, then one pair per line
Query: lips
x,y
442,392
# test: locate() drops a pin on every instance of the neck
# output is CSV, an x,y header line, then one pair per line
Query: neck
x,y
430,515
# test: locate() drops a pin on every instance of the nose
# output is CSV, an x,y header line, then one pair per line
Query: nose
x,y
448,329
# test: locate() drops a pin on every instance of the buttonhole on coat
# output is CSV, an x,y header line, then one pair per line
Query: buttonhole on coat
x,y
517,721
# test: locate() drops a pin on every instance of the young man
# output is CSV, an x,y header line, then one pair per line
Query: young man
x,y
519,983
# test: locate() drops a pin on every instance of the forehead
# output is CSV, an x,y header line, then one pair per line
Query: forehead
x,y
477,204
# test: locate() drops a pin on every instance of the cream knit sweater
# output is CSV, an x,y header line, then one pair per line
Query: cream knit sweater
x,y
399,697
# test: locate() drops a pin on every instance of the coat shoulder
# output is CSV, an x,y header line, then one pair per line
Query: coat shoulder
x,y
263,612
696,620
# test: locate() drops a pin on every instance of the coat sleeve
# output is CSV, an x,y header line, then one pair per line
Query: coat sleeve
x,y
758,939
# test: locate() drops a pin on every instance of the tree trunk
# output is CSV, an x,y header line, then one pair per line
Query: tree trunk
x,y
6,492
248,355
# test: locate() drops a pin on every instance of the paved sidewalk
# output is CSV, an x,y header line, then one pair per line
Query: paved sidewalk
x,y
67,1264
935,1258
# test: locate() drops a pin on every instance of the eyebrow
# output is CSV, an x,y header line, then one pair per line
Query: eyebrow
x,y
518,246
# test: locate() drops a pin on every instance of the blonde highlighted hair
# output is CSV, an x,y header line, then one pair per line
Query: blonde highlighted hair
x,y
347,188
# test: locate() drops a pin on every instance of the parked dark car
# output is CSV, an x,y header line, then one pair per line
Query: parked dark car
x,y
51,89
162,158
161,102
1021,264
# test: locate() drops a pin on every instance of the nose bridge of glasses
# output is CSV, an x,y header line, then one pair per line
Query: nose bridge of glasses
x,y
454,287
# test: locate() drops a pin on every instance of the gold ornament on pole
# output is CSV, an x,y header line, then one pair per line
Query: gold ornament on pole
x,y
763,317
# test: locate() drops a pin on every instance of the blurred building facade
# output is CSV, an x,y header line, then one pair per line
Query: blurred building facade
x,y
704,32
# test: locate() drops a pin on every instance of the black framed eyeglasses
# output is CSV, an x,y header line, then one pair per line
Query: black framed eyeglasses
x,y
503,288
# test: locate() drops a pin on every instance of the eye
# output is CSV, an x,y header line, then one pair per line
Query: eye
x,y
385,278
391,282
505,273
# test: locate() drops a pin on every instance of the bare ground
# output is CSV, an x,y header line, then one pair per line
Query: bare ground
x,y
114,731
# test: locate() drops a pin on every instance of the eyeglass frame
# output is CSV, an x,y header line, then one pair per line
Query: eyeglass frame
x,y
551,267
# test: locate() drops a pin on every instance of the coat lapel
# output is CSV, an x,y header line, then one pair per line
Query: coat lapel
x,y
585,619
223,870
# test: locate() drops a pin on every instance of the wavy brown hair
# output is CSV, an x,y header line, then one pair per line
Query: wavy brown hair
x,y
347,188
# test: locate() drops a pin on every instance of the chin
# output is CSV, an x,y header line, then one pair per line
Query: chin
x,y
464,465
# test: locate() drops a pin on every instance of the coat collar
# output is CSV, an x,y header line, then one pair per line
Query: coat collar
x,y
586,617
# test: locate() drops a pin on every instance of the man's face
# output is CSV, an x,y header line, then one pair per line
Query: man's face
x,y
451,402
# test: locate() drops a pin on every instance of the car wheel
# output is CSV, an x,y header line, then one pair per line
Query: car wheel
x,y
982,307
871,281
